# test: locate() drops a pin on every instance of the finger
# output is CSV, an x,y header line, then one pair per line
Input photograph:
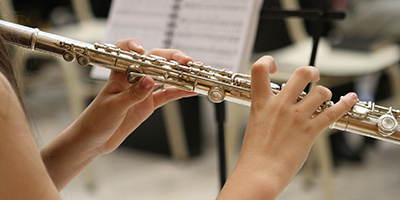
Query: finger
x,y
332,114
131,44
160,97
134,94
116,83
260,81
314,99
171,54
134,117
298,82
118,76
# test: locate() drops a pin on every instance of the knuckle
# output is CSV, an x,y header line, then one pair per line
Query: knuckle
x,y
281,107
256,105
119,42
178,55
122,42
269,59
168,95
331,115
348,104
323,91
304,72
262,63
175,51
298,116
154,51
256,68
135,95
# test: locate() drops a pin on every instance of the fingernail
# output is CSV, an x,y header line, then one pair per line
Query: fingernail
x,y
146,82
352,95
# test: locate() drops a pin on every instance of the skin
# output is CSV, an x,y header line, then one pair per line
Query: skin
x,y
21,166
118,110
280,132
278,138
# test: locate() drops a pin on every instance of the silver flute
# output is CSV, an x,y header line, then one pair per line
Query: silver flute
x,y
365,118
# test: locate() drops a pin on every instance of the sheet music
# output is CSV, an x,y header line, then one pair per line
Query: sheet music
x,y
218,33
142,19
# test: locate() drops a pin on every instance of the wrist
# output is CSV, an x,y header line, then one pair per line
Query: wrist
x,y
65,157
68,149
244,183
267,171
77,142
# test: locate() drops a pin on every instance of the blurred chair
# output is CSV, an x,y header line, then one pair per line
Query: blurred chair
x,y
336,68
89,29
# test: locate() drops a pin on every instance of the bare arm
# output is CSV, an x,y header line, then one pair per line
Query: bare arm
x,y
23,174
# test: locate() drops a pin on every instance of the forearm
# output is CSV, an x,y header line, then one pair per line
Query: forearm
x,y
255,179
66,156
242,185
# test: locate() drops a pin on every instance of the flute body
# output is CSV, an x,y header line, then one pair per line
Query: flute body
x,y
365,118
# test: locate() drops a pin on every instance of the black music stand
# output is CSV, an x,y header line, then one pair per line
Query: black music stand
x,y
320,15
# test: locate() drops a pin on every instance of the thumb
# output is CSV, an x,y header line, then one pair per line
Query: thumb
x,y
136,93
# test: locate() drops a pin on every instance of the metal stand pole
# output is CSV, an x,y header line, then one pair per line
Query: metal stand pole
x,y
220,116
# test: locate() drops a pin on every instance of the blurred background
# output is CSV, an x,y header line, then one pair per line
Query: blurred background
x,y
148,166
